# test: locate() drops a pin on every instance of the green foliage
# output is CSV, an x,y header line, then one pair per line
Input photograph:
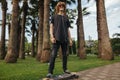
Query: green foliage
x,y
71,13
85,12
92,48
30,69
27,47
88,50
117,35
74,47
116,45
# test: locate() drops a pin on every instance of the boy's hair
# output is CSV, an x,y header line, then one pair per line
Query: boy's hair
x,y
57,7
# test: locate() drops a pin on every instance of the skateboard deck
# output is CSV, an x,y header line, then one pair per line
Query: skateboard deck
x,y
65,76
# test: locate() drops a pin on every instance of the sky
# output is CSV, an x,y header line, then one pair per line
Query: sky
x,y
89,22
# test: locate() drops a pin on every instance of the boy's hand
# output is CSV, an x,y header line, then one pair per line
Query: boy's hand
x,y
70,42
53,40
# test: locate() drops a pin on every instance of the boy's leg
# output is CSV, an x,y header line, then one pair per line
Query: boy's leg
x,y
53,56
64,54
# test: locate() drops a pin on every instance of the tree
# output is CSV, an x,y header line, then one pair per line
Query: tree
x,y
33,20
22,41
11,56
33,28
2,43
104,46
81,49
40,29
46,45
8,22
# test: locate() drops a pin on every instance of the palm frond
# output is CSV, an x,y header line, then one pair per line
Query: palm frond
x,y
118,26
85,8
116,35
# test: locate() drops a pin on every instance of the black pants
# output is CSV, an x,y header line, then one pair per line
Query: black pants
x,y
54,55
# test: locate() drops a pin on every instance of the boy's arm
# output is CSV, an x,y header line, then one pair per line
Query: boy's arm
x,y
69,36
52,38
51,31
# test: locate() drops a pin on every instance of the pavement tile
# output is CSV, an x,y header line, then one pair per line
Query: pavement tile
x,y
108,72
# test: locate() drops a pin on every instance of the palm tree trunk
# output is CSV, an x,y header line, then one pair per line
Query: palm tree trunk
x,y
9,26
2,44
46,45
9,23
104,46
19,35
36,42
33,28
33,44
40,29
98,29
11,56
22,41
78,38
81,50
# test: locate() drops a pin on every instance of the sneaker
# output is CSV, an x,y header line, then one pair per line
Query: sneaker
x,y
49,75
67,71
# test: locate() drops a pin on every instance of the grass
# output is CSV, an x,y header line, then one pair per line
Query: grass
x,y
30,69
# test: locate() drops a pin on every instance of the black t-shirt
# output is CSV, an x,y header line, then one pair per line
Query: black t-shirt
x,y
60,27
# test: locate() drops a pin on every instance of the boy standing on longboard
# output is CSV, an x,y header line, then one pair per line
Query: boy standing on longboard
x,y
60,36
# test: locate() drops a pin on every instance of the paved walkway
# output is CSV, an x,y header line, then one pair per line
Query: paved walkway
x,y
108,72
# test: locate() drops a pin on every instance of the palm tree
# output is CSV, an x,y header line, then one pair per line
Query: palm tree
x,y
2,44
33,18
81,49
22,41
11,56
46,46
40,29
33,28
104,46
8,22
84,12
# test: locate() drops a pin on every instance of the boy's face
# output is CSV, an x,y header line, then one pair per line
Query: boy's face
x,y
61,7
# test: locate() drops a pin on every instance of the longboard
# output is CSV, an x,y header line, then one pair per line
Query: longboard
x,y
64,76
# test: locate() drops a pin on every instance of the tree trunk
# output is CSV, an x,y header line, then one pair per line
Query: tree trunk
x,y
22,41
81,50
33,28
40,29
19,35
36,42
46,45
2,44
11,56
78,39
104,45
9,26
33,44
